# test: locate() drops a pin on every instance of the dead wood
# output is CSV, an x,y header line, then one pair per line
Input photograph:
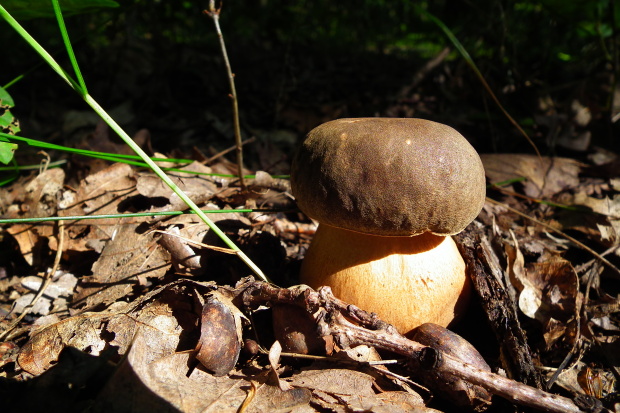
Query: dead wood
x,y
488,282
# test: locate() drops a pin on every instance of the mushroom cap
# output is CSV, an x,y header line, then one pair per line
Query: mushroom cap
x,y
389,177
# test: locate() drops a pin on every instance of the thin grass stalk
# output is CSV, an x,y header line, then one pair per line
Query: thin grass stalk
x,y
214,13
67,43
470,62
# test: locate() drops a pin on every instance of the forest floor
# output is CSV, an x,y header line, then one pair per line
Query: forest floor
x,y
146,313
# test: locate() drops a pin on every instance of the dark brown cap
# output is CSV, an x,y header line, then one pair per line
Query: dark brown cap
x,y
389,176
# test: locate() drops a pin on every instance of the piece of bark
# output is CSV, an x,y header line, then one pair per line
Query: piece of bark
x,y
487,279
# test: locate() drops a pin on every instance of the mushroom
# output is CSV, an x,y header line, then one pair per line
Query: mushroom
x,y
387,194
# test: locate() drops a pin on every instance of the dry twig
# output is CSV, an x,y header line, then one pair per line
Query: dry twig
x,y
214,13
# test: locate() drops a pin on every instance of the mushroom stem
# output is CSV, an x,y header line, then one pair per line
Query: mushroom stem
x,y
407,281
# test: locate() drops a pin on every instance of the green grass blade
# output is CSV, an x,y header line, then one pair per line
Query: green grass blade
x,y
121,216
67,42
38,48
113,157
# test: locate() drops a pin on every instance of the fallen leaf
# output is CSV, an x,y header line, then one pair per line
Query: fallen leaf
x,y
161,316
54,298
165,381
200,188
545,176
344,390
125,263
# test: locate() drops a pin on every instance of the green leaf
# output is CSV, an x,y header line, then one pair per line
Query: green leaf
x,y
32,9
8,123
7,149
6,101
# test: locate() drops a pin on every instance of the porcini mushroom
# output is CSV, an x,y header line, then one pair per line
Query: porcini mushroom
x,y
387,194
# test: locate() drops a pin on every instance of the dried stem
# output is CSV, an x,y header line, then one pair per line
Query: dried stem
x,y
214,13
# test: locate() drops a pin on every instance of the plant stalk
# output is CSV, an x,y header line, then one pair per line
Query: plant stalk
x,y
214,13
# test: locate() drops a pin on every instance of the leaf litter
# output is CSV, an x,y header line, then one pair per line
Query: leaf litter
x,y
155,322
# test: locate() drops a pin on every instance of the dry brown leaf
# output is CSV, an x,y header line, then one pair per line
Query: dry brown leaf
x,y
609,228
161,316
545,177
180,249
200,188
558,287
100,193
32,241
125,262
191,228
274,363
528,296
152,381
42,350
344,390
582,379
548,292
41,200
42,193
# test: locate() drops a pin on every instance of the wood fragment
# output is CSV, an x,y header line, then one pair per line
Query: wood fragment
x,y
487,280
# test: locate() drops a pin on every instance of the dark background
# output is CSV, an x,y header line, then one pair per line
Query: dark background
x,y
157,65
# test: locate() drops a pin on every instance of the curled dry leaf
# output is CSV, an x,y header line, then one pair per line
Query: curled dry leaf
x,y
548,292
220,334
274,362
178,247
529,297
557,284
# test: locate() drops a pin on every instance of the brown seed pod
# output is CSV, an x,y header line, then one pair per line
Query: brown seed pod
x,y
295,329
220,335
460,392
